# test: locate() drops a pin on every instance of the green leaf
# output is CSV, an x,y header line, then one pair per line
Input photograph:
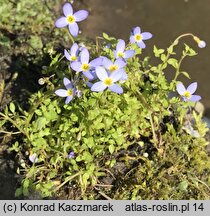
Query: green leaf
x,y
189,51
36,42
12,107
173,62
18,192
85,178
163,57
183,186
87,157
157,51
186,74
38,112
105,36
41,123
111,149
170,50
26,183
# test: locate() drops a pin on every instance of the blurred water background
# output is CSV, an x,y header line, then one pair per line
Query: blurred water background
x,y
165,19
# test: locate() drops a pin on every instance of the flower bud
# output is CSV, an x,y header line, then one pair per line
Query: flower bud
x,y
201,43
41,81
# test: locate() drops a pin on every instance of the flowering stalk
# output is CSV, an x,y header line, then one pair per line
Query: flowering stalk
x,y
144,102
200,43
178,68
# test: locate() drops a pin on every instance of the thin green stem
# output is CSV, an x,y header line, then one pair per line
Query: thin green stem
x,y
7,132
15,124
32,111
67,180
71,38
178,68
176,41
143,100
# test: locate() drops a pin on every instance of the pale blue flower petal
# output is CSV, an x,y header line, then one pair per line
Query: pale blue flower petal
x,y
124,76
80,15
68,99
89,84
137,30
116,75
98,86
192,87
93,73
67,55
129,54
132,39
67,83
61,22
115,88
84,57
67,9
120,63
120,46
71,155
33,158
101,73
141,44
180,88
116,54
76,66
96,62
195,98
146,35
88,74
74,29
74,49
107,62
61,92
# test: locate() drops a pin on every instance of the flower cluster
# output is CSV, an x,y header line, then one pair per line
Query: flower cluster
x,y
100,73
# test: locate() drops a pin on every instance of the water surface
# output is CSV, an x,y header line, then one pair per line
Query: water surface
x,y
165,19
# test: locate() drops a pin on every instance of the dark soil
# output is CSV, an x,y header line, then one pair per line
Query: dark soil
x,y
8,176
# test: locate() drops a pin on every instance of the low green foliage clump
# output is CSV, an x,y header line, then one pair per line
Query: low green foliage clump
x,y
146,143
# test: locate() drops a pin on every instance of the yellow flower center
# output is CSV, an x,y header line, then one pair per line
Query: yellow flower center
x,y
120,54
138,37
69,92
108,82
113,68
73,58
85,67
70,19
187,94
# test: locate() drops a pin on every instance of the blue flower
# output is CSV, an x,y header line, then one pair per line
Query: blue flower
x,y
120,51
74,53
71,155
84,65
33,158
117,65
187,94
70,19
138,37
69,92
107,80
